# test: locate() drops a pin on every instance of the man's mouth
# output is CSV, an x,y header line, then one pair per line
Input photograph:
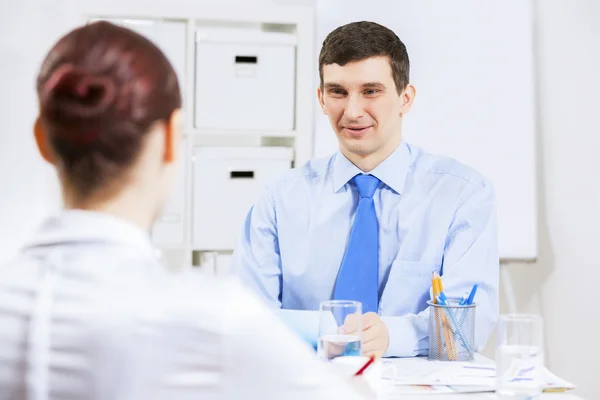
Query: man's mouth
x,y
356,130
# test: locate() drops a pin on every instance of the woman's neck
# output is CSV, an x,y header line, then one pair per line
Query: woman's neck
x,y
127,204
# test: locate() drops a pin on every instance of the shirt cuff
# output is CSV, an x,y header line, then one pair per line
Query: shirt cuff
x,y
409,335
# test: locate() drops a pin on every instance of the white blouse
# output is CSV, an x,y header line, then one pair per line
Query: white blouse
x,y
87,312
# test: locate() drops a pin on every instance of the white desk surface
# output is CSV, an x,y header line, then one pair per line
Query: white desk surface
x,y
479,396
472,396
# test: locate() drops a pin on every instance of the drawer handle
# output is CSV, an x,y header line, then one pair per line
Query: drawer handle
x,y
246,59
241,174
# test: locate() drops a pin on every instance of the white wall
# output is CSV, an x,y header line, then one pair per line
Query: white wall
x,y
27,185
560,285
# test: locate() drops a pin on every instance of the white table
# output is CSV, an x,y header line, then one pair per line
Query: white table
x,y
482,396
471,396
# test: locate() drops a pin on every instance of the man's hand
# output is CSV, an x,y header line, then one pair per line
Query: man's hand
x,y
375,335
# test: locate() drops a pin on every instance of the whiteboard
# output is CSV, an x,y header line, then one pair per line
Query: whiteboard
x,y
472,65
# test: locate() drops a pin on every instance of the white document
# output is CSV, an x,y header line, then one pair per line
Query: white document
x,y
420,375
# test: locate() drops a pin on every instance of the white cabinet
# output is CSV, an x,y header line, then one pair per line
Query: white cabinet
x,y
169,229
227,181
245,80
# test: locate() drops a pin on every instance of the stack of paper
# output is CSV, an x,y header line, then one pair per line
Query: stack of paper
x,y
418,375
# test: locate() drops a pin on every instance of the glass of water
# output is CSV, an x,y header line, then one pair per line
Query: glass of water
x,y
519,356
340,329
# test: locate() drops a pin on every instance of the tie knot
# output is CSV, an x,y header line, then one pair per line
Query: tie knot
x,y
366,185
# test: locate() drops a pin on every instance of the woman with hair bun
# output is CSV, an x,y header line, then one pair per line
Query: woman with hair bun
x,y
86,310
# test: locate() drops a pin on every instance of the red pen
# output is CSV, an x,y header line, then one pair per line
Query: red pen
x,y
364,367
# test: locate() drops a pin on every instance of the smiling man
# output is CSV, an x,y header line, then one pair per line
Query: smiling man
x,y
376,219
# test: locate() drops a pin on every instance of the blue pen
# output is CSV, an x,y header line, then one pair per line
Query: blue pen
x,y
440,300
468,301
464,299
472,294
443,300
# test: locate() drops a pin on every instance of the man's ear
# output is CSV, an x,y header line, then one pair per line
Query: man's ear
x,y
321,99
407,97
41,140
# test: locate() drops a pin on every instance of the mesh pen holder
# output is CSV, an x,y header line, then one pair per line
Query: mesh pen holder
x,y
451,331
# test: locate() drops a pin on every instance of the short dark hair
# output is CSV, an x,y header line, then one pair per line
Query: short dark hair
x,y
100,89
358,41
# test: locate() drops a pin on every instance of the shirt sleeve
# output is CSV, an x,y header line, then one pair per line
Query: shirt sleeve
x,y
265,360
256,259
470,256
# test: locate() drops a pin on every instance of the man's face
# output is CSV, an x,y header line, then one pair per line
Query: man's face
x,y
363,105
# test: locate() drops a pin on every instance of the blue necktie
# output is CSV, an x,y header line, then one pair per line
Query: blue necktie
x,y
359,273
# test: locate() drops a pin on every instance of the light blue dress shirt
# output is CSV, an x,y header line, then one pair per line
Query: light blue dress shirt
x,y
435,215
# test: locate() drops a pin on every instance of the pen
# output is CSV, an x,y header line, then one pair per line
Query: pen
x,y
364,367
443,300
467,299
463,300
472,294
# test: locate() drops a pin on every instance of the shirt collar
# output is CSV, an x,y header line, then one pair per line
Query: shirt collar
x,y
79,226
392,171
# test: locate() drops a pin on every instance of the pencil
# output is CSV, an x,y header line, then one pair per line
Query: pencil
x,y
448,335
436,291
450,346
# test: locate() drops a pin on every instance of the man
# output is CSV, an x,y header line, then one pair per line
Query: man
x,y
375,220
